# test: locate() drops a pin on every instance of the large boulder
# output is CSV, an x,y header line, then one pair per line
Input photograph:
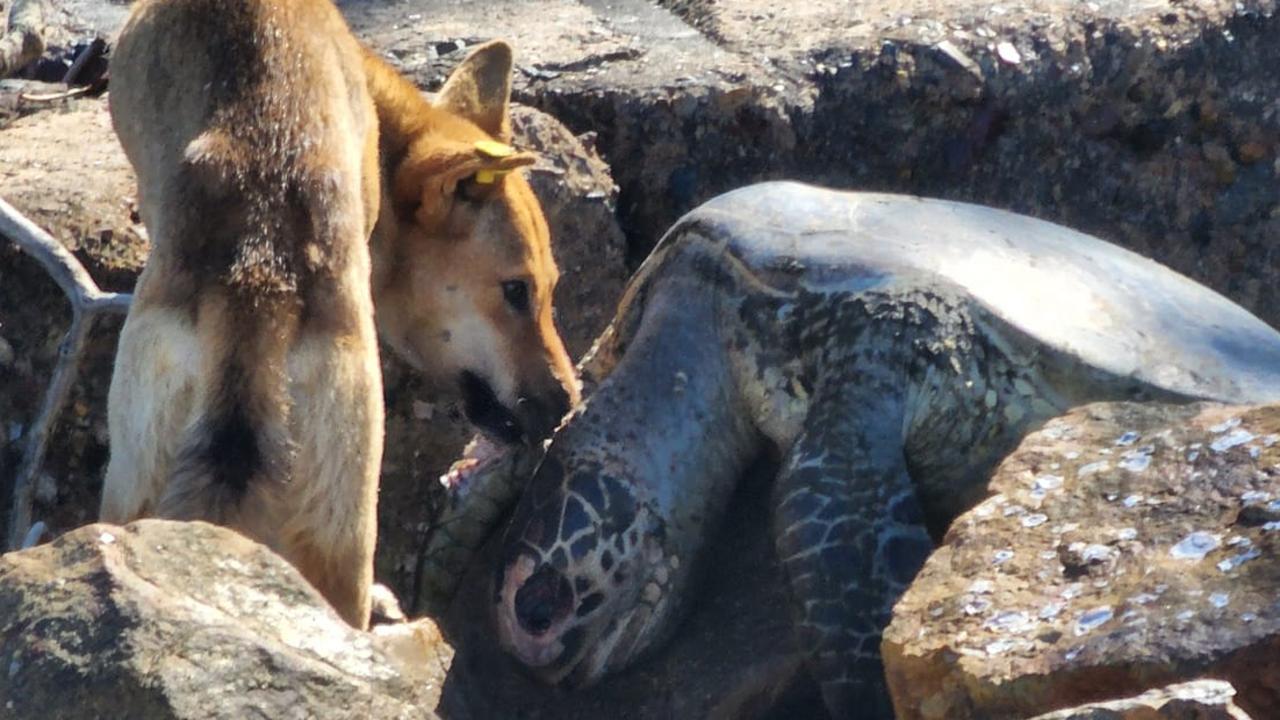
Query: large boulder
x,y
163,620
1144,122
1124,547
63,168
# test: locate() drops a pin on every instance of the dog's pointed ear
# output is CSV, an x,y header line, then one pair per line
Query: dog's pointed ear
x,y
424,184
479,89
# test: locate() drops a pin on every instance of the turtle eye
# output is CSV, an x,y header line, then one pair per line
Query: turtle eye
x,y
516,293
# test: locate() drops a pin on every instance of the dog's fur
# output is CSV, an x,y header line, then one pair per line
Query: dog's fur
x,y
247,390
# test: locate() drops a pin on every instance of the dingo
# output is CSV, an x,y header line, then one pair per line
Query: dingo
x,y
268,146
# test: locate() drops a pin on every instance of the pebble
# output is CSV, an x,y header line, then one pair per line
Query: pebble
x,y
1254,496
1094,553
1091,468
1236,561
1092,619
981,587
1048,482
998,647
1128,438
977,606
1012,621
1195,546
1225,425
1135,462
1236,437
1034,520
1008,53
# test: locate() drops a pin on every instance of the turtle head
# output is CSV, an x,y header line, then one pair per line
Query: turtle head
x,y
599,550
584,579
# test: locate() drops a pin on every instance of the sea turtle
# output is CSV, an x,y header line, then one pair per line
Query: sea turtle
x,y
892,349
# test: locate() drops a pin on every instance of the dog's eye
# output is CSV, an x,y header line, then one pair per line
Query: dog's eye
x,y
516,293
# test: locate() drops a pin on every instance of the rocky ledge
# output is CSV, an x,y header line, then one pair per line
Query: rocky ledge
x,y
162,620
1124,547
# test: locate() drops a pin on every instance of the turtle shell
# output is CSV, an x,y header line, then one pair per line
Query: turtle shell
x,y
1107,306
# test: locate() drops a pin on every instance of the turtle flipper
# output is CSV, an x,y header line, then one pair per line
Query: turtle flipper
x,y
850,536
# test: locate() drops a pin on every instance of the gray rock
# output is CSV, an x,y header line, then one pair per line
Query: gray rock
x,y
1135,575
186,620
1140,122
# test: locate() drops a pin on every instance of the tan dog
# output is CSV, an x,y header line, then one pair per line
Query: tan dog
x,y
247,390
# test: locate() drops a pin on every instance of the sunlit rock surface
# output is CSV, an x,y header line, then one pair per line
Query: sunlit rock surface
x,y
162,620
1124,547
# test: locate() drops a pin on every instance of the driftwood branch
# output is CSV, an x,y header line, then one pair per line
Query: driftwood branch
x,y
87,303
23,42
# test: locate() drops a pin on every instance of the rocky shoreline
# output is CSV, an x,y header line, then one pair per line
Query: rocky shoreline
x,y
1150,124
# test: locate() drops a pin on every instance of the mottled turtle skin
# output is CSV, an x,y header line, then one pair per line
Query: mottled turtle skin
x,y
891,350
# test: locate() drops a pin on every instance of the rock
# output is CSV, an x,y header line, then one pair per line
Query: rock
x,y
1146,123
187,620
1123,547
63,168
1196,700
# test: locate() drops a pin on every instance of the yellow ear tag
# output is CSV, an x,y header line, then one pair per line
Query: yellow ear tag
x,y
494,149
489,177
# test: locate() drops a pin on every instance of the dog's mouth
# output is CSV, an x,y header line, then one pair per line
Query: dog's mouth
x,y
484,410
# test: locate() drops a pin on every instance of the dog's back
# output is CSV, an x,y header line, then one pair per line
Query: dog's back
x,y
247,390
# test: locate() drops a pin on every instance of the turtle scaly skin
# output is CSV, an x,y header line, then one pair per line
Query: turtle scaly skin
x,y
892,350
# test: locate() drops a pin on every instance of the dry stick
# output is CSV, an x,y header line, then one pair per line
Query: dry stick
x,y
60,95
87,303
